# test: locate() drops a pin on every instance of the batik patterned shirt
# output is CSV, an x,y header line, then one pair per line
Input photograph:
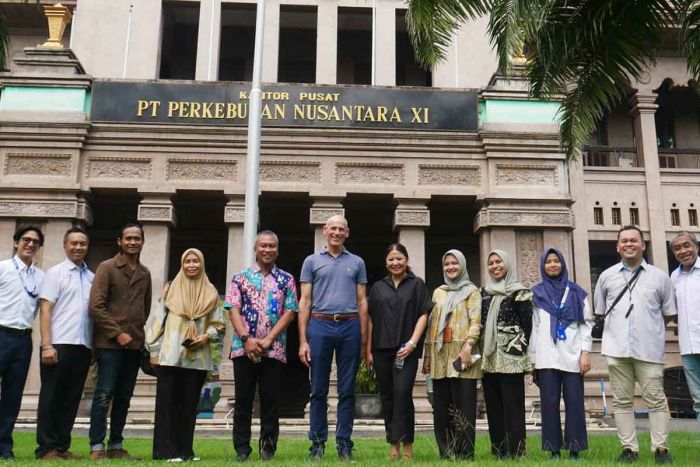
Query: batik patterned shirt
x,y
262,300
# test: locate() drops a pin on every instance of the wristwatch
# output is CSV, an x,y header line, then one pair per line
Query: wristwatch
x,y
244,338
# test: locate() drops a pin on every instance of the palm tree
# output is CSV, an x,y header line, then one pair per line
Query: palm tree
x,y
586,53
4,41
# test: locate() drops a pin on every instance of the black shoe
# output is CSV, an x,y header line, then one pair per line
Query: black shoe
x,y
662,456
266,455
573,455
8,456
555,456
242,456
316,452
346,456
628,456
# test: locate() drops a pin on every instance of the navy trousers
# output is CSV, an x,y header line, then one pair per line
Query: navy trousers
x,y
552,382
344,339
15,355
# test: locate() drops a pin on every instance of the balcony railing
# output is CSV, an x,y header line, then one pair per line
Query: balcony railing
x,y
679,158
607,156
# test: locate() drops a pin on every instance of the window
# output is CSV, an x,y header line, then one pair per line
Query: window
x,y
408,72
595,158
634,216
675,217
354,46
237,42
178,54
297,47
693,217
616,216
598,216
667,161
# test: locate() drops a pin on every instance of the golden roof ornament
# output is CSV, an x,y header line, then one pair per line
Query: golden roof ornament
x,y
58,17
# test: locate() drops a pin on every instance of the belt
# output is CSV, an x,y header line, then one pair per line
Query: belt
x,y
16,332
335,317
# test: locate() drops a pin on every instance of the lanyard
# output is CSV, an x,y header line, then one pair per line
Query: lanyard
x,y
33,294
561,305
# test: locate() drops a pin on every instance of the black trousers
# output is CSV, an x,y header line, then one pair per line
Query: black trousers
x,y
59,398
504,395
396,393
552,382
454,416
268,375
177,397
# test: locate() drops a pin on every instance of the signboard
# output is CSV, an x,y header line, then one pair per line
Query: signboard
x,y
284,105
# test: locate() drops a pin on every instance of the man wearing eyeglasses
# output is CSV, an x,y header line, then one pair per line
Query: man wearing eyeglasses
x,y
20,282
640,299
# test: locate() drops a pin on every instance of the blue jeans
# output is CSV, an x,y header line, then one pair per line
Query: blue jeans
x,y
116,377
15,355
691,365
325,338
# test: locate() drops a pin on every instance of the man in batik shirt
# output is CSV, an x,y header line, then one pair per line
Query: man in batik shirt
x,y
262,301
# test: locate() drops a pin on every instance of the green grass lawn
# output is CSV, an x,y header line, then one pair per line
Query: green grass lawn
x,y
685,448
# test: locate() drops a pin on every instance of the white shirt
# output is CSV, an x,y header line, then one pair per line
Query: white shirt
x,y
67,286
563,355
687,289
19,293
641,335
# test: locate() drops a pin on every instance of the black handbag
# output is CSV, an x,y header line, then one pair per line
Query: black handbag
x,y
146,366
599,326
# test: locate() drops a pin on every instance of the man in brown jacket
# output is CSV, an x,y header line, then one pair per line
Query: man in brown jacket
x,y
120,301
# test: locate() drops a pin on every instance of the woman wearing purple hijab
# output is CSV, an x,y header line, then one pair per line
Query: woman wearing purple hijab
x,y
559,346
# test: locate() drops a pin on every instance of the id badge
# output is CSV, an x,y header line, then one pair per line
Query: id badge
x,y
561,332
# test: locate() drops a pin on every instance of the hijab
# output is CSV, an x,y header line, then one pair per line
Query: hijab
x,y
499,289
458,289
549,293
191,298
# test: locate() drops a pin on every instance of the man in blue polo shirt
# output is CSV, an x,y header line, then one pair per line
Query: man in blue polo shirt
x,y
332,318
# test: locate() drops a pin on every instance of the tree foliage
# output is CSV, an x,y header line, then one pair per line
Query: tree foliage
x,y
587,53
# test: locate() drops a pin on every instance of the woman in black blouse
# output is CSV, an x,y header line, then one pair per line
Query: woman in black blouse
x,y
399,306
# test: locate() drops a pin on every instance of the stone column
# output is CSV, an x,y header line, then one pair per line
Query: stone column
x,y
271,42
411,218
643,109
208,40
385,61
327,43
581,265
7,231
234,217
320,211
157,214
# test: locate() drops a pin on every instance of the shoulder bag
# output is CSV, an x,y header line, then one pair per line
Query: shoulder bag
x,y
599,326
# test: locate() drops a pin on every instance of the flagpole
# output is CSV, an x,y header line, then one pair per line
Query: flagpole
x,y
374,42
250,226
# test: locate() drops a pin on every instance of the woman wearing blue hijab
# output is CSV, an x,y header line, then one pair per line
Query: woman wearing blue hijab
x,y
559,346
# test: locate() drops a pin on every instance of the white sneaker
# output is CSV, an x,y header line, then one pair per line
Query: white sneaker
x,y
175,459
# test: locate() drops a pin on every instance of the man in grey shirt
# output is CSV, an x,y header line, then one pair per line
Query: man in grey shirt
x,y
634,340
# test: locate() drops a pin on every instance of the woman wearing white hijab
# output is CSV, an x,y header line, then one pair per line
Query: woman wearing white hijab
x,y
506,316
451,341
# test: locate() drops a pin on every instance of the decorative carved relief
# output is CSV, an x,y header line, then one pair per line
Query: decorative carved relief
x,y
118,167
290,171
202,169
60,209
319,216
529,218
438,174
234,215
528,257
412,218
155,213
58,165
353,173
520,174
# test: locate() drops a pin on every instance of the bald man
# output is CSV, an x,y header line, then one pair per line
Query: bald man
x,y
332,319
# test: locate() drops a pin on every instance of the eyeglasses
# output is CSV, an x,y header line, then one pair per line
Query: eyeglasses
x,y
30,241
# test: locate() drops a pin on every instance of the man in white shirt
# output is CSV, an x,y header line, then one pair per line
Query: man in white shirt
x,y
66,343
634,341
20,282
686,283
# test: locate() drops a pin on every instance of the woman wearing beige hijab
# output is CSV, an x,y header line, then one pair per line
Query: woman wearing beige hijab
x,y
177,337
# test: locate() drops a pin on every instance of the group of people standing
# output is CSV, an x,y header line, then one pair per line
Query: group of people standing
x,y
496,333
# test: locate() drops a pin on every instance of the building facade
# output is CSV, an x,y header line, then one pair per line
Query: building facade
x,y
142,117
